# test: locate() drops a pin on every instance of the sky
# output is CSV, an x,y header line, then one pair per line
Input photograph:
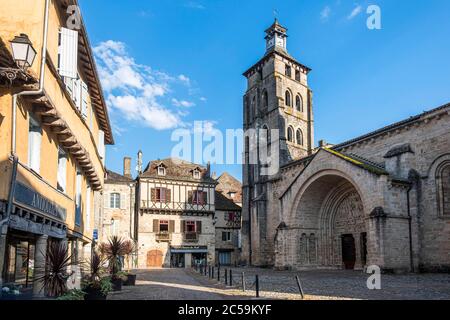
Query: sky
x,y
165,64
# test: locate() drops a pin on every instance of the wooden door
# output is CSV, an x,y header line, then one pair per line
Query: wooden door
x,y
154,259
348,251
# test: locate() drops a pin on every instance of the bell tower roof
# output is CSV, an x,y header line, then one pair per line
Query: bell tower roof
x,y
276,27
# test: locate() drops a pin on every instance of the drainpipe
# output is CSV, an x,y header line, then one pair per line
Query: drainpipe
x,y
41,79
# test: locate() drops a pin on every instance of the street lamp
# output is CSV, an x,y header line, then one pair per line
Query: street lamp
x,y
23,51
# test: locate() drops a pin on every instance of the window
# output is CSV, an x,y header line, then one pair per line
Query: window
x,y
62,170
299,137
191,226
162,195
196,174
288,98
34,144
101,145
114,202
226,236
230,216
299,103
68,53
163,226
198,197
232,195
78,213
253,108
88,207
297,75
290,134
161,171
443,180
288,71
265,100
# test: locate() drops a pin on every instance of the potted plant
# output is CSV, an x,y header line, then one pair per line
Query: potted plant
x,y
72,295
114,250
96,285
54,275
129,252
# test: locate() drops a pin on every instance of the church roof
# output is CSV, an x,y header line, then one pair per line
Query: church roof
x,y
359,162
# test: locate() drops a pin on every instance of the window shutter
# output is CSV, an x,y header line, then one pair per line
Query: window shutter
x,y
77,93
171,226
190,197
182,226
107,198
155,225
122,201
69,85
68,53
101,144
168,195
199,227
205,197
84,99
153,195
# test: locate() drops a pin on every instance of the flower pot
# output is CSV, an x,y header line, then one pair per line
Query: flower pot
x,y
131,280
94,294
116,284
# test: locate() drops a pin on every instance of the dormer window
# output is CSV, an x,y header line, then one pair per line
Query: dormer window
x,y
232,195
196,174
161,171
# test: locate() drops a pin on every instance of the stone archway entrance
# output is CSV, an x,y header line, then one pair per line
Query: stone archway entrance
x,y
330,225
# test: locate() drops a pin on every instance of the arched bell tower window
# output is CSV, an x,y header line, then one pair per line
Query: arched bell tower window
x,y
299,103
299,137
253,108
288,98
290,134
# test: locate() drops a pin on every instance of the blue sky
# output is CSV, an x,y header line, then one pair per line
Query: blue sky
x,y
166,64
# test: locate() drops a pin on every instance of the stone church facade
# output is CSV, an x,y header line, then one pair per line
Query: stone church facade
x,y
379,199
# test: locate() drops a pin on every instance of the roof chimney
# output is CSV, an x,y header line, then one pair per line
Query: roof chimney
x,y
139,162
322,143
127,167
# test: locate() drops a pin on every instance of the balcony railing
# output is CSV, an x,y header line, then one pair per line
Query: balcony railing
x,y
163,236
191,236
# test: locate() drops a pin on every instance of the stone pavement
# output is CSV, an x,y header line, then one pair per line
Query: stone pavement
x,y
181,284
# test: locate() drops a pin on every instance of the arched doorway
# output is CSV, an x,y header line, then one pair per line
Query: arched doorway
x,y
329,224
154,259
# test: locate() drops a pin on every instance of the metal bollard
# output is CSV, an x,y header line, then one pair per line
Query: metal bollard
x,y
300,287
226,277
209,272
257,285
218,274
243,281
204,271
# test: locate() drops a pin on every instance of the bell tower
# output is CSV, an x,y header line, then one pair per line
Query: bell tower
x,y
278,100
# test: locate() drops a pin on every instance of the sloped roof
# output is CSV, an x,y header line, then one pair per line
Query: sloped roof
x,y
225,204
177,169
113,177
228,184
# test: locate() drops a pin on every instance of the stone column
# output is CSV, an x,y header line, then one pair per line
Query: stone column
x,y
3,233
40,254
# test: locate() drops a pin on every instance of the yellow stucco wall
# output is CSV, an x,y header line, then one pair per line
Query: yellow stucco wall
x,y
25,16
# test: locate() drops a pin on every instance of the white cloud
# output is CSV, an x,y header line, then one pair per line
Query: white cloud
x,y
195,5
184,79
137,91
325,13
356,11
203,99
182,103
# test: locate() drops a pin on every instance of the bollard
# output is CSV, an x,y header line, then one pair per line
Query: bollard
x,y
218,274
243,281
300,287
257,285
226,277
204,271
231,278
212,272
209,272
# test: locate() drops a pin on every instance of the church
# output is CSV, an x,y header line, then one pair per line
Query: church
x,y
379,199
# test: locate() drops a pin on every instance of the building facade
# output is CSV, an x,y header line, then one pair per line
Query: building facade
x,y
230,187
228,231
118,215
53,129
379,199
175,217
